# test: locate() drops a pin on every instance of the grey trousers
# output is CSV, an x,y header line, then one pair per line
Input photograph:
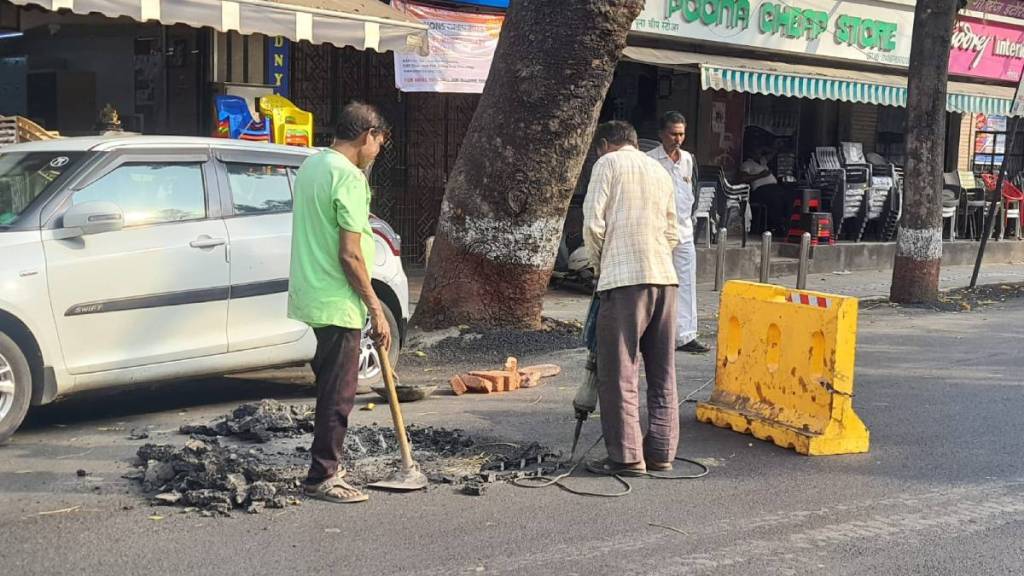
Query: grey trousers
x,y
635,322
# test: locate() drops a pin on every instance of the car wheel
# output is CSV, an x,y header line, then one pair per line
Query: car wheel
x,y
370,373
15,387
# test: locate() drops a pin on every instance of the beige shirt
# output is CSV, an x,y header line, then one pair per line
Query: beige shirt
x,y
629,221
682,179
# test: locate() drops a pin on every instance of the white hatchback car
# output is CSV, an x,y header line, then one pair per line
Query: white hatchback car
x,y
136,259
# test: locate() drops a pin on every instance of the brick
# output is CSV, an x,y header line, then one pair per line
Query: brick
x,y
544,370
477,384
458,386
498,379
530,376
512,370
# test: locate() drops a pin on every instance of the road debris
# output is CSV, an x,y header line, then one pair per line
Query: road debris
x,y
81,473
61,511
971,299
209,476
259,421
248,460
511,378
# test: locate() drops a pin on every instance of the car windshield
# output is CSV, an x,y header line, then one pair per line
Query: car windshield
x,y
24,176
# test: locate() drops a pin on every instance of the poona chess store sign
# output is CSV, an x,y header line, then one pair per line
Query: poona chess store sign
x,y
858,31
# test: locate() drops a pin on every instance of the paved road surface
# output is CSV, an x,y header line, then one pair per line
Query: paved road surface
x,y
941,492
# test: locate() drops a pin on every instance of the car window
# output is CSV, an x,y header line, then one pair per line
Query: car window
x,y
25,176
259,188
151,193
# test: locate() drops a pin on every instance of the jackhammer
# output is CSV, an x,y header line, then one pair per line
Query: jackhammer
x,y
585,402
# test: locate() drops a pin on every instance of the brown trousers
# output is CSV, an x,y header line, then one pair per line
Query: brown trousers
x,y
635,322
336,366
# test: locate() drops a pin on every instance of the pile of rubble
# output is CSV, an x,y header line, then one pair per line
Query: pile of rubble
x,y
259,422
216,477
204,475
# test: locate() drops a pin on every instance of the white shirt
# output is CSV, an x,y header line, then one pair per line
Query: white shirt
x,y
629,221
752,167
682,181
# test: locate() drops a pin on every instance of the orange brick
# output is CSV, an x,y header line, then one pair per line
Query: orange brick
x,y
477,384
512,370
458,386
498,380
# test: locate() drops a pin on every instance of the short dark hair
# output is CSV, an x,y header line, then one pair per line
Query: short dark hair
x,y
670,118
358,117
616,133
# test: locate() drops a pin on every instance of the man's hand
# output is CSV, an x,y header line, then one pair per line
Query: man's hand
x,y
381,329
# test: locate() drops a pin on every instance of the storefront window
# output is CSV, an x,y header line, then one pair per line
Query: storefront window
x,y
989,143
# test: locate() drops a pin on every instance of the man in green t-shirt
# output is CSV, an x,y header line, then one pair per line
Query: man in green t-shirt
x,y
329,286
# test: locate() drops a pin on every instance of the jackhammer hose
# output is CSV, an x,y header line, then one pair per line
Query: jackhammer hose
x,y
546,481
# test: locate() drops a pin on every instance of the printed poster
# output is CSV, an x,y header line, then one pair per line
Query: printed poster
x,y
461,49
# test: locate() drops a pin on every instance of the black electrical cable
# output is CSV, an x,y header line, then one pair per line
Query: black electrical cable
x,y
557,480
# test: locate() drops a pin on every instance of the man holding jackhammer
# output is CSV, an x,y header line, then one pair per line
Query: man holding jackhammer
x,y
329,286
630,230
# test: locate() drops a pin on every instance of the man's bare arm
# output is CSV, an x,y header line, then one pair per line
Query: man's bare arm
x,y
350,255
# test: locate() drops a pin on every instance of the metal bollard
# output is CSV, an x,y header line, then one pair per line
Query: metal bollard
x,y
766,256
723,237
801,271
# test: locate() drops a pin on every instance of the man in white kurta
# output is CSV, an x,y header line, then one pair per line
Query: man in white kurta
x,y
679,164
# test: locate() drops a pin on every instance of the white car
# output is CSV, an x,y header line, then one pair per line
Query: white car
x,y
142,258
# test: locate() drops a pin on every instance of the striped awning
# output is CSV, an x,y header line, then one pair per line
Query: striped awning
x,y
800,81
363,24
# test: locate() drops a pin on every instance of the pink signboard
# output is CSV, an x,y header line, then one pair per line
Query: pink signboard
x,y
987,49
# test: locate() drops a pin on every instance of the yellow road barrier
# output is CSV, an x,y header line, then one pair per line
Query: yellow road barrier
x,y
785,369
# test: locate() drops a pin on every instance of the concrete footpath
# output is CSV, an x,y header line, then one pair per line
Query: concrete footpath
x,y
566,305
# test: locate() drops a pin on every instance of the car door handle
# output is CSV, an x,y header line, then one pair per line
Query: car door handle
x,y
207,242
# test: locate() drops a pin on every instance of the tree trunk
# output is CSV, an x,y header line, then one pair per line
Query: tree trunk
x,y
507,196
915,274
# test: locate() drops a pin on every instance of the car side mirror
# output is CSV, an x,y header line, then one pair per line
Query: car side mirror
x,y
92,218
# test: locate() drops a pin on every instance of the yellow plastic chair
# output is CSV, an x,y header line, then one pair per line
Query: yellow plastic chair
x,y
292,126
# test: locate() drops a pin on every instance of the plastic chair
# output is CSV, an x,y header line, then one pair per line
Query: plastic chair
x,y
973,204
292,126
728,196
1010,203
235,121
705,203
950,201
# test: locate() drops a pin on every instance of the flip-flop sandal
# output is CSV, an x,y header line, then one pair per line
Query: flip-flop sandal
x,y
336,490
608,467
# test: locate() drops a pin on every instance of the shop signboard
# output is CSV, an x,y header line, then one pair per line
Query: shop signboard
x,y
1008,8
279,61
987,49
462,46
863,31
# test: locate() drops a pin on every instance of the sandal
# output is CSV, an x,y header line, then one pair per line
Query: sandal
x,y
335,490
608,467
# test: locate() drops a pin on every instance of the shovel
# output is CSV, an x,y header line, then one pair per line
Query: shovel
x,y
409,477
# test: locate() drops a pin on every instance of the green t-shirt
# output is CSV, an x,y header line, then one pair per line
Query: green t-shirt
x,y
330,194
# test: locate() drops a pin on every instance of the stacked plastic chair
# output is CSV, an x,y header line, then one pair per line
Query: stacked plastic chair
x,y
727,197
882,198
826,173
291,125
235,121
